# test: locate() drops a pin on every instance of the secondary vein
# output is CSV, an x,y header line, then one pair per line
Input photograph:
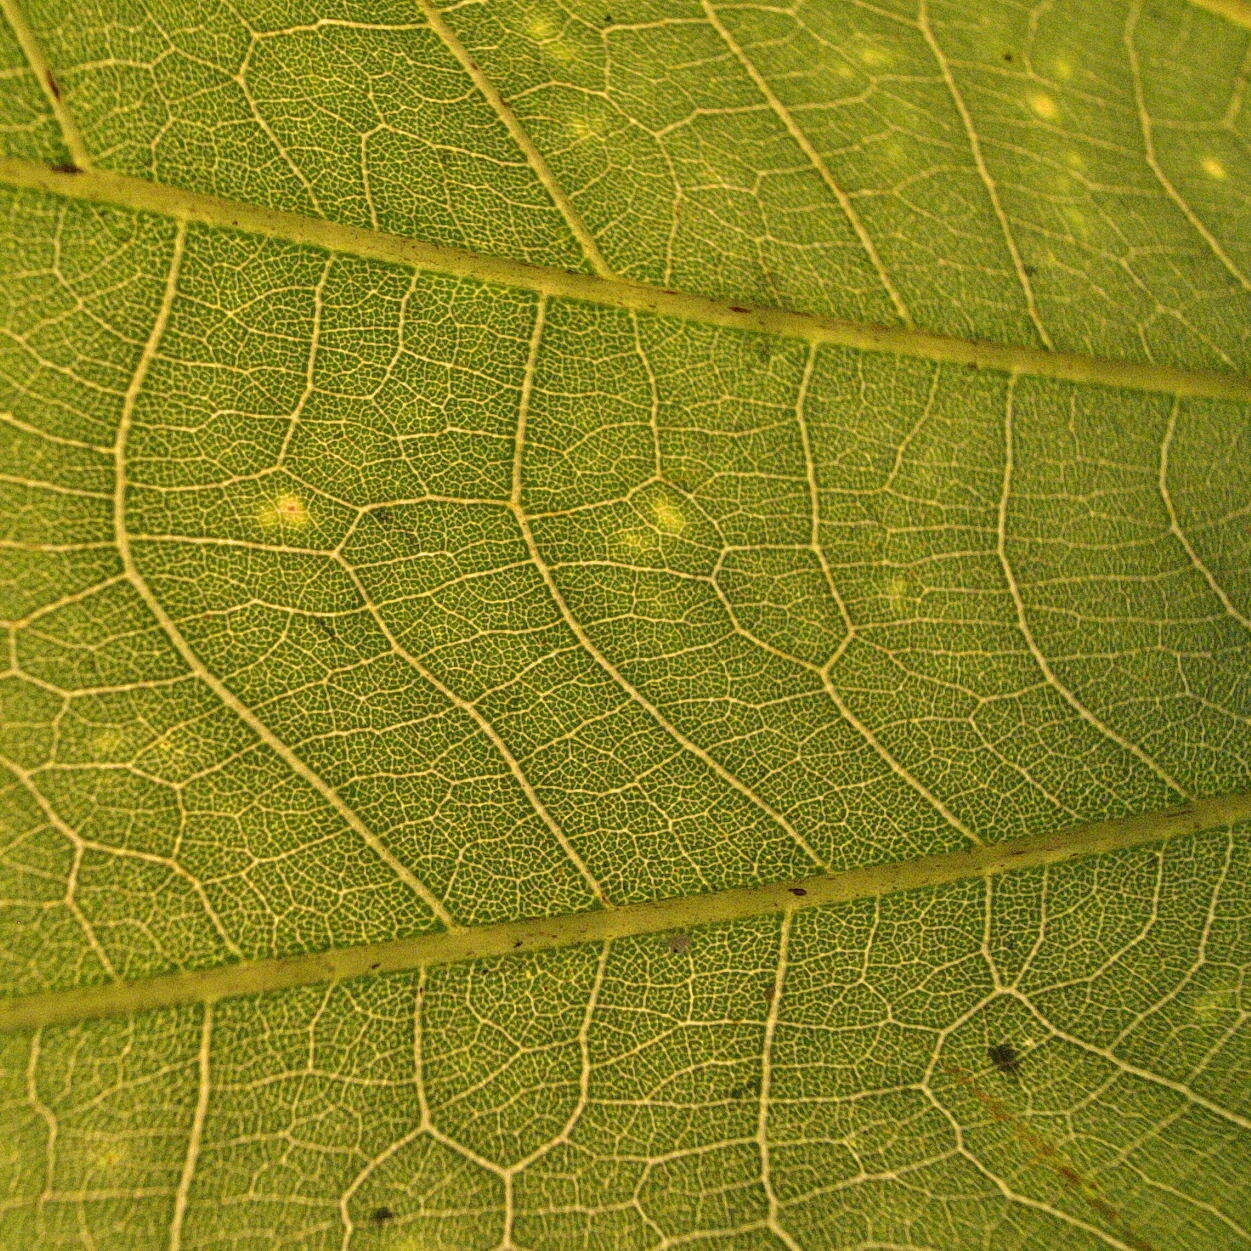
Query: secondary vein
x,y
120,190
420,951
47,83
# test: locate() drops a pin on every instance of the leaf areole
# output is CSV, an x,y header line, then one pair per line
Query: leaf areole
x,y
624,628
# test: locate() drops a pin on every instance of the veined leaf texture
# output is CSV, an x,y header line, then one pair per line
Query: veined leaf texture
x,y
627,624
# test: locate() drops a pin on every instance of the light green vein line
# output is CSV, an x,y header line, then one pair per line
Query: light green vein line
x,y
103,187
535,159
539,934
43,72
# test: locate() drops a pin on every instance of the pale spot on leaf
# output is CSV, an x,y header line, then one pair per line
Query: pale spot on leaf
x,y
1043,105
541,28
668,517
633,540
106,743
284,512
1215,1002
899,595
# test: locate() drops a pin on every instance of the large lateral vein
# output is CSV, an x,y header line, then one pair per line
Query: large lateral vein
x,y
122,191
421,951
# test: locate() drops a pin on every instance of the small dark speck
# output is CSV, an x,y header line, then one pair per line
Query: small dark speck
x,y
380,1216
1006,1058
678,941
66,167
798,890
607,19
516,942
1030,270
738,308
377,964
54,87
1007,56
745,1090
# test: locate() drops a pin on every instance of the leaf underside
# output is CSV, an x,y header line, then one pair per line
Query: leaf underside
x,y
628,624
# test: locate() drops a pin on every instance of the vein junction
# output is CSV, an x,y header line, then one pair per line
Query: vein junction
x,y
104,187
420,951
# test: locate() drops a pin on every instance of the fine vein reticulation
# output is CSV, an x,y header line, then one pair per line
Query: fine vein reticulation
x,y
84,181
603,925
1041,613
104,187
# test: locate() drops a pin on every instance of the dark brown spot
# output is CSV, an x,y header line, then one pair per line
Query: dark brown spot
x,y
738,308
678,941
380,1216
1006,1058
66,167
745,1090
377,964
1007,56
54,87
798,890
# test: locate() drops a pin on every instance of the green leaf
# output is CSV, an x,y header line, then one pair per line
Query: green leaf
x,y
627,624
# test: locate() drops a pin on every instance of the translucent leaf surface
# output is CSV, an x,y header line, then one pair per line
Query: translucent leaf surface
x,y
627,625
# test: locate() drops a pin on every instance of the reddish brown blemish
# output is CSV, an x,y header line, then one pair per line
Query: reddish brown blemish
x,y
1045,1152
